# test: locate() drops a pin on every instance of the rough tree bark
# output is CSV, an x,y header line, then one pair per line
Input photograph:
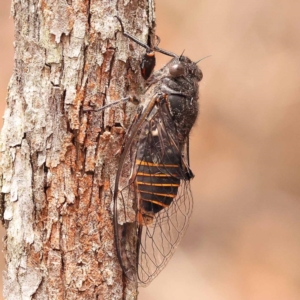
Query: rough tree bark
x,y
58,162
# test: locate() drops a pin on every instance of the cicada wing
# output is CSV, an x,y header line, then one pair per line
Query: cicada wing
x,y
159,240
153,200
125,225
163,189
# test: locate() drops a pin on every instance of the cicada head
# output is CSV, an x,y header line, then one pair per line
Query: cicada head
x,y
182,66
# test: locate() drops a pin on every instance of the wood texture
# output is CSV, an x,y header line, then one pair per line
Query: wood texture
x,y
58,162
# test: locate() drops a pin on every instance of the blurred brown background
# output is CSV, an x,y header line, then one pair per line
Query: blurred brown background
x,y
243,242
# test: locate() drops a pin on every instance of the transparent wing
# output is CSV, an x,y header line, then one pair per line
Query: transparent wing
x,y
154,200
159,240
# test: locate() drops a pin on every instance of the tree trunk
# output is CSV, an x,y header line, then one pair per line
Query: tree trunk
x,y
57,161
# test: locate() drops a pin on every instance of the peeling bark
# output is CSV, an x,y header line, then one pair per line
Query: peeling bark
x,y
57,162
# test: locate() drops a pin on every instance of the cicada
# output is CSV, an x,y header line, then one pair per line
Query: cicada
x,y
152,195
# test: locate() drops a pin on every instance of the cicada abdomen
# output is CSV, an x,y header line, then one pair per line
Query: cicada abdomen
x,y
159,170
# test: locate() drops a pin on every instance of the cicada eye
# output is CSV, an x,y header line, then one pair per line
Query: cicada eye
x,y
177,70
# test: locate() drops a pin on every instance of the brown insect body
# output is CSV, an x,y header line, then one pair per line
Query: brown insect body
x,y
148,229
158,178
